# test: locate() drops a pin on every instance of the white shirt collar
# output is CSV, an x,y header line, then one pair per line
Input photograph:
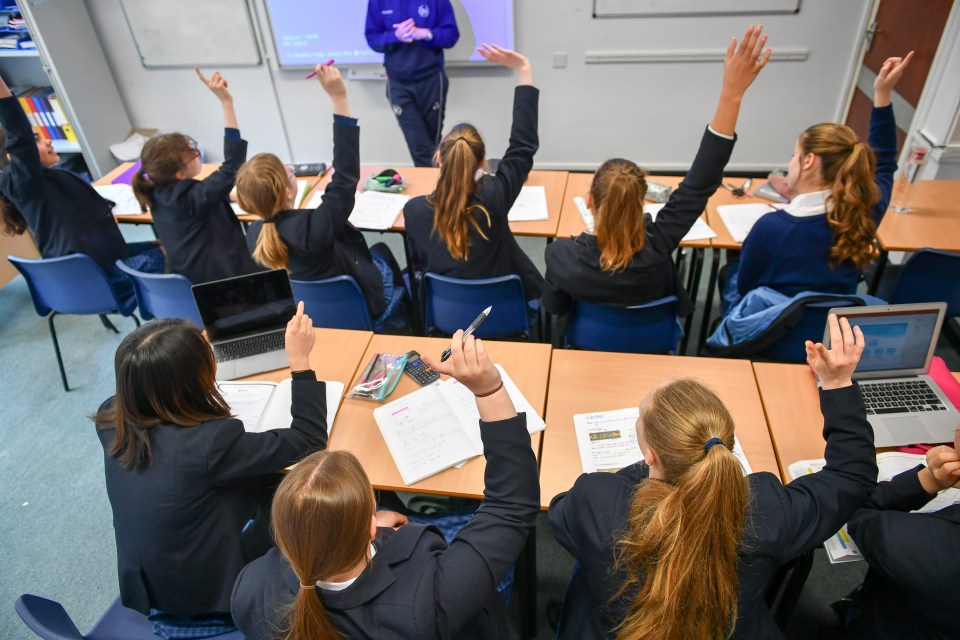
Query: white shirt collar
x,y
808,204
340,586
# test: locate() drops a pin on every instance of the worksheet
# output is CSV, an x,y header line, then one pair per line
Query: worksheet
x,y
740,218
531,204
377,210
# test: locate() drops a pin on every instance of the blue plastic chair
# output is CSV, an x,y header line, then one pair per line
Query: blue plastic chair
x,y
929,275
334,303
163,295
452,304
645,328
789,348
72,284
49,620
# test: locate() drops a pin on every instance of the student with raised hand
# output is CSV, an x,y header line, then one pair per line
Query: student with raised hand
x,y
914,557
193,218
824,237
319,243
682,546
626,260
341,572
65,215
461,230
190,490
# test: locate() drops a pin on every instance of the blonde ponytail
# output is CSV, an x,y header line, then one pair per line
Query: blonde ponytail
x,y
262,184
617,191
680,551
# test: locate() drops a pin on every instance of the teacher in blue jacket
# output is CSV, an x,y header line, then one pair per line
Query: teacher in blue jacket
x,y
411,35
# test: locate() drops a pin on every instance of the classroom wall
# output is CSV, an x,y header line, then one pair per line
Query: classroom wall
x,y
653,112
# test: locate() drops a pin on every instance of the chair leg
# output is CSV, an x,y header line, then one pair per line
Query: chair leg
x,y
106,323
135,319
56,349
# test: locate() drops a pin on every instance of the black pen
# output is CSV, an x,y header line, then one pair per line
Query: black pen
x,y
473,327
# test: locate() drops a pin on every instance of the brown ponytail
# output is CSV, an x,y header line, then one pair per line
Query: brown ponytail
x,y
321,515
848,166
14,224
617,191
462,151
160,160
680,551
262,184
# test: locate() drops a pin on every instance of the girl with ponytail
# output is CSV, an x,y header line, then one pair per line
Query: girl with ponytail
x,y
682,545
824,237
192,218
343,570
626,259
461,229
319,243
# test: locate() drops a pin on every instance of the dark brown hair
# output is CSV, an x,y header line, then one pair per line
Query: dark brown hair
x,y
14,223
160,160
618,189
462,152
262,184
166,374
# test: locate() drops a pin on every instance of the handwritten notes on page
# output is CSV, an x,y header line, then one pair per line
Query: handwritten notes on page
x,y
740,218
530,205
376,210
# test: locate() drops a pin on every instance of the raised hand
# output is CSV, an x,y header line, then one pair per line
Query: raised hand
x,y
469,364
299,340
510,59
890,73
835,365
216,83
330,80
944,464
743,63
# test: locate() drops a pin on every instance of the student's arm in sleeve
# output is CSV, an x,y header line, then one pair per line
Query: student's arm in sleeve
x,y
444,32
381,38
756,255
554,299
883,130
25,166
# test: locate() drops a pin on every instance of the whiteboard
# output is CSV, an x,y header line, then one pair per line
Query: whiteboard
x,y
620,8
188,33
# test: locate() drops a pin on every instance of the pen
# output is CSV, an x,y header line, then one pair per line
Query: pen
x,y
473,327
313,73
247,526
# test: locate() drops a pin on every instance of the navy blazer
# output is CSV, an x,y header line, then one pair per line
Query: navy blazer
x,y
573,264
782,523
321,243
65,214
499,254
914,563
181,524
197,226
417,586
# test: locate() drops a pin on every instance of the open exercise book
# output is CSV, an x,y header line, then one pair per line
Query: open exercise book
x,y
531,204
376,209
124,202
262,406
438,427
608,441
699,231
740,218
841,548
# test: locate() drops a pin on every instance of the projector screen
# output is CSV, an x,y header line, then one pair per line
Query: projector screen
x,y
310,32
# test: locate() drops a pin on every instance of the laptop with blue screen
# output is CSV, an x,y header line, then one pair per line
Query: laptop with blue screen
x,y
904,404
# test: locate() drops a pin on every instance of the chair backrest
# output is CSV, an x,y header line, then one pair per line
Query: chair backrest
x,y
335,303
930,275
789,348
69,284
46,618
163,295
646,328
453,303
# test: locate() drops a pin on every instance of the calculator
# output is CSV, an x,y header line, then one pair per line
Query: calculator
x,y
419,371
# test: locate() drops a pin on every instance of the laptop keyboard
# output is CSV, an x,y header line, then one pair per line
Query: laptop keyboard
x,y
247,347
899,397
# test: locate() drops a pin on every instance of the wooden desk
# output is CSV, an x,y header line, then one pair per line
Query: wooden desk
x,y
358,433
21,246
933,223
586,381
723,196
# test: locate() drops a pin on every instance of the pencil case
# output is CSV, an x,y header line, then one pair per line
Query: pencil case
x,y
657,192
388,181
379,377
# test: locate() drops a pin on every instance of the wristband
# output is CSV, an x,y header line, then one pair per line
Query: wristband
x,y
490,393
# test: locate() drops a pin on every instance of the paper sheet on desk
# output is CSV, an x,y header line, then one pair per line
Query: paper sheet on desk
x,y
315,200
530,205
740,218
377,210
699,231
262,406
125,203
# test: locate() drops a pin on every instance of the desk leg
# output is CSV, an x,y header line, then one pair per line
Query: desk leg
x,y
697,257
708,305
878,274
526,586
418,328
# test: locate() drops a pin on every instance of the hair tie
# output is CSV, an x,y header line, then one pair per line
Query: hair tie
x,y
309,587
269,221
710,443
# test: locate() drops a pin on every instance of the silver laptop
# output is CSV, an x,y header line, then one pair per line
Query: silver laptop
x,y
904,404
246,319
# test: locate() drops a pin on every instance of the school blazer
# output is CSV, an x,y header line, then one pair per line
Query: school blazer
x,y
782,523
199,231
181,524
65,214
914,558
573,264
321,242
499,254
417,586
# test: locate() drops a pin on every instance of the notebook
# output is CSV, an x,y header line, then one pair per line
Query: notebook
x,y
740,218
261,406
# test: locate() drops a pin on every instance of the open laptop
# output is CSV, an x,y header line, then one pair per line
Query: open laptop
x,y
246,320
904,404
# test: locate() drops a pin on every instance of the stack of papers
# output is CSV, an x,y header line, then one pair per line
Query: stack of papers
x,y
740,218
377,210
125,203
530,205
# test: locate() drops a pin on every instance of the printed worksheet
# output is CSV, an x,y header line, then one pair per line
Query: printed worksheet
x,y
531,204
740,218
699,231
262,406
377,210
125,203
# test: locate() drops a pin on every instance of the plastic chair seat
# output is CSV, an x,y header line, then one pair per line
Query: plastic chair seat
x,y
163,295
453,303
334,303
645,328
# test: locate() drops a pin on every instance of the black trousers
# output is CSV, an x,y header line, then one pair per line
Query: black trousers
x,y
419,107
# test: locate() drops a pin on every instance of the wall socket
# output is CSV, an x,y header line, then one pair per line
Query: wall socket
x,y
559,59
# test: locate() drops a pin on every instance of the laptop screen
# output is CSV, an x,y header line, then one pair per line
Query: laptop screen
x,y
246,305
896,340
